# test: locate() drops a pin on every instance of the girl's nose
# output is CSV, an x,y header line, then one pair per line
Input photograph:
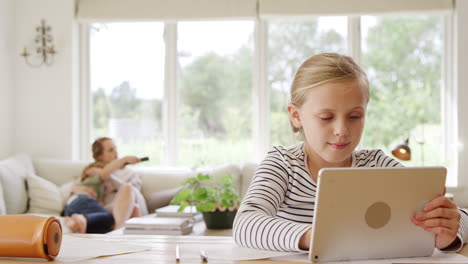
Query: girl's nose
x,y
341,129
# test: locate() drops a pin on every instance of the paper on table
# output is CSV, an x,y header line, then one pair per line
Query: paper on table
x,y
77,248
241,253
437,257
224,252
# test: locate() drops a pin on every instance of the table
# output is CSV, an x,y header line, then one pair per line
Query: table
x,y
163,250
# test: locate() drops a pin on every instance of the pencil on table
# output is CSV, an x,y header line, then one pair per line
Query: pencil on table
x,y
203,255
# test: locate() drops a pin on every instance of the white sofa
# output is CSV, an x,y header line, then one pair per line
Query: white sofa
x,y
41,186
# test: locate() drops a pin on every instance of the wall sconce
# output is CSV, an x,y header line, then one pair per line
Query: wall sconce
x,y
45,48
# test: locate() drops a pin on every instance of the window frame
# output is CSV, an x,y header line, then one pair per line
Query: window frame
x,y
260,90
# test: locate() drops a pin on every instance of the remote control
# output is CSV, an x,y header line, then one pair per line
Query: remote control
x,y
141,159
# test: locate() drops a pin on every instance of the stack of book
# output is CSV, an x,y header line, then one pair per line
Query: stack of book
x,y
190,212
151,225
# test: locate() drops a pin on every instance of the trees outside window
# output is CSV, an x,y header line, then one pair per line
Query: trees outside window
x,y
127,86
402,56
215,87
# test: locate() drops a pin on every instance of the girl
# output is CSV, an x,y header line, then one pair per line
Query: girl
x,y
100,192
329,97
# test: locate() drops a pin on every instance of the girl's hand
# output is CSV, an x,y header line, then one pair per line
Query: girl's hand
x,y
304,242
441,217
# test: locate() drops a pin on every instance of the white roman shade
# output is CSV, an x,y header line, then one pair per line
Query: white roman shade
x,y
164,10
275,8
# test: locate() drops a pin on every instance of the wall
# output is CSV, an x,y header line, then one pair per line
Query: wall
x,y
461,80
44,103
6,76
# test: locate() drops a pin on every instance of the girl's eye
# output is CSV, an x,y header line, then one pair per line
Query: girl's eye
x,y
355,117
326,118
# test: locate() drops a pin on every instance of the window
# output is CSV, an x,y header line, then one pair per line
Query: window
x,y
403,57
215,108
127,86
212,101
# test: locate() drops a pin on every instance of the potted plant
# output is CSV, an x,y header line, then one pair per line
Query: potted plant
x,y
218,201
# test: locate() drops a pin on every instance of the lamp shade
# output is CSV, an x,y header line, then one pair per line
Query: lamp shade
x,y
402,151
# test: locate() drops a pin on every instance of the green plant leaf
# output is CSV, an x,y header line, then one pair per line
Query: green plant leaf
x,y
226,203
227,179
202,177
183,205
200,194
182,196
206,207
190,181
205,197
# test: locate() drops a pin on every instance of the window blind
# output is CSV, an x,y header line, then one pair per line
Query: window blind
x,y
164,10
167,10
272,8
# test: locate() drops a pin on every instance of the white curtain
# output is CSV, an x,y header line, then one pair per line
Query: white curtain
x,y
174,10
272,8
165,10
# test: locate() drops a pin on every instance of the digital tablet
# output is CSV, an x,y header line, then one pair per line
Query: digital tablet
x,y
365,213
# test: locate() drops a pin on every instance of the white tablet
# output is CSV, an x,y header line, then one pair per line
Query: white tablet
x,y
365,213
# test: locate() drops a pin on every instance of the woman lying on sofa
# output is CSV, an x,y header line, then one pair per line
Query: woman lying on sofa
x,y
107,194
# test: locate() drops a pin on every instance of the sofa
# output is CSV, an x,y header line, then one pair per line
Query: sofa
x,y
42,186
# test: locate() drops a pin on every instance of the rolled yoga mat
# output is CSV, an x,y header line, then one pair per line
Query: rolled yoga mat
x,y
30,236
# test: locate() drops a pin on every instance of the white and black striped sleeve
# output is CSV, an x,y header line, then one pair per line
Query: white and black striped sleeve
x,y
375,158
256,224
462,230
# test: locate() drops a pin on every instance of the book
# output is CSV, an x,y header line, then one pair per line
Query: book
x,y
171,211
136,231
158,223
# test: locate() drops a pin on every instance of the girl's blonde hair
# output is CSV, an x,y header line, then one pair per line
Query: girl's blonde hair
x,y
325,68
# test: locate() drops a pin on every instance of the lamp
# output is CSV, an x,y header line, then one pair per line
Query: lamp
x,y
402,151
45,48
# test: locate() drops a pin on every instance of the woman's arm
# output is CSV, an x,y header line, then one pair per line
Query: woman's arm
x,y
116,165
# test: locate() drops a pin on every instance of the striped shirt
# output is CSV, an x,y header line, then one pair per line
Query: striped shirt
x,y
279,205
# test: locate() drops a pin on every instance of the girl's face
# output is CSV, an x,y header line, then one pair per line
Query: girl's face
x,y
332,118
109,151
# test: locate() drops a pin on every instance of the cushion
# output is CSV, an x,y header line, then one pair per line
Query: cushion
x,y
2,201
160,199
59,171
13,172
44,196
66,190
162,179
